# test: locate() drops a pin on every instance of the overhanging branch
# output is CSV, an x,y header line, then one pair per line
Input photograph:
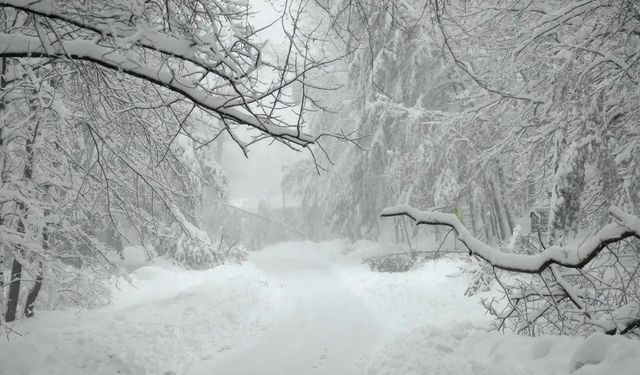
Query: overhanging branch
x,y
576,257
12,45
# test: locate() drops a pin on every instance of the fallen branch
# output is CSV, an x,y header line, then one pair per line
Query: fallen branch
x,y
568,257
619,321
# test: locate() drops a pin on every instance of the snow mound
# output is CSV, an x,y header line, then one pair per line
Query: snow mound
x,y
600,354
462,349
163,322
432,294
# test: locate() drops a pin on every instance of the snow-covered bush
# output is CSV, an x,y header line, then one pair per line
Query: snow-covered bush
x,y
194,250
70,286
481,279
398,262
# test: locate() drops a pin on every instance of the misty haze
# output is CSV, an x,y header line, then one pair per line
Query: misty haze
x,y
321,187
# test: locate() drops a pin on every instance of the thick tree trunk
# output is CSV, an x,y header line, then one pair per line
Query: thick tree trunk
x,y
33,293
14,291
31,298
16,268
16,276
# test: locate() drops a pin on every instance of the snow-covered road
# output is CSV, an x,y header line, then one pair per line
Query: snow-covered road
x,y
297,308
322,326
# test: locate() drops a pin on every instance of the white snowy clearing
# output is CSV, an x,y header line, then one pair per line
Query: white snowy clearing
x,y
297,308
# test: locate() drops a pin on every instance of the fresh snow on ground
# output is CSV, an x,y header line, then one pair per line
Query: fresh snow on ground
x,y
165,321
298,308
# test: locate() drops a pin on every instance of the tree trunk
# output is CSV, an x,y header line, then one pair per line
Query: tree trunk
x,y
487,224
1,284
502,182
16,268
33,294
472,214
502,221
3,69
14,291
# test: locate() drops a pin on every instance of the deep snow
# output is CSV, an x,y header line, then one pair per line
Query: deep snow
x,y
297,308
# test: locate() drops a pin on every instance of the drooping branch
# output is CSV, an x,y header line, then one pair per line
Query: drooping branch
x,y
208,55
218,65
12,45
576,257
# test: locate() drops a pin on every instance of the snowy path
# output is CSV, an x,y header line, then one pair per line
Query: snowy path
x,y
323,328
297,309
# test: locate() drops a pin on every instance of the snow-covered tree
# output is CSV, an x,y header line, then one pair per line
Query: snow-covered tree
x,y
552,85
107,110
396,101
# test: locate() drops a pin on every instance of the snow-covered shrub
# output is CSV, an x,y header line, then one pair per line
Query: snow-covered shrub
x,y
194,250
481,279
69,286
399,262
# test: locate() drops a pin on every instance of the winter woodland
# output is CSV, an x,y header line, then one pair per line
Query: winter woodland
x,y
319,187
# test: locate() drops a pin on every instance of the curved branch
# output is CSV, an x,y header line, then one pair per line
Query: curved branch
x,y
576,257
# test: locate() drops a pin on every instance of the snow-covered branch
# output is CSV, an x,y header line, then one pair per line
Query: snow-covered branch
x,y
204,51
209,55
576,257
26,46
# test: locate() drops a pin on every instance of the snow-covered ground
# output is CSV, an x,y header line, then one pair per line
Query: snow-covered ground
x,y
297,308
164,322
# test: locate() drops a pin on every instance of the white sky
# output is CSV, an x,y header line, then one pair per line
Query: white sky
x,y
258,177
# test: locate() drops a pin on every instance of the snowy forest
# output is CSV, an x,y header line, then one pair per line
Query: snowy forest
x,y
319,187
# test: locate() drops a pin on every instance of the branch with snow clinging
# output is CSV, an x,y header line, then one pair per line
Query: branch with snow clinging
x,y
26,46
576,257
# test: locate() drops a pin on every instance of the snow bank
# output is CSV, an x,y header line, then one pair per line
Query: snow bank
x,y
431,294
462,349
161,324
432,328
